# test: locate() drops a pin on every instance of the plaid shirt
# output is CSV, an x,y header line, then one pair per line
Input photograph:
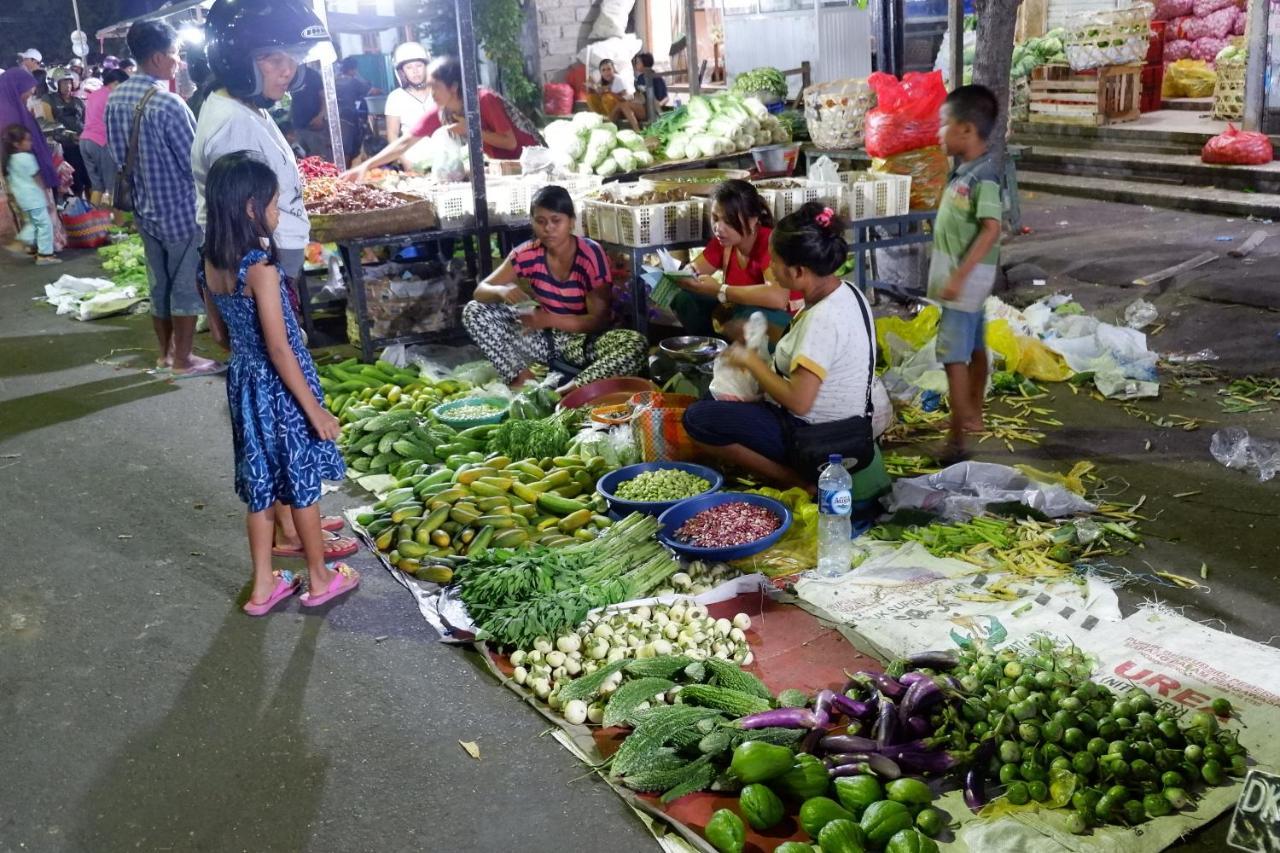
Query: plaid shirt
x,y
164,192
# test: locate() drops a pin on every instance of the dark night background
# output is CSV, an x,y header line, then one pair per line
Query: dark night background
x,y
46,25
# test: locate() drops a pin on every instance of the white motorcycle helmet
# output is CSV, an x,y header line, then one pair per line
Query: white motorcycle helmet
x,y
410,51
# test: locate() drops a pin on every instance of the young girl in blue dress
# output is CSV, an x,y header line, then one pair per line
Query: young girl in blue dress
x,y
282,434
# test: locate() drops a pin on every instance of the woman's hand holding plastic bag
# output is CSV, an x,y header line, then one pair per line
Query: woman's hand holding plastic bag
x,y
729,382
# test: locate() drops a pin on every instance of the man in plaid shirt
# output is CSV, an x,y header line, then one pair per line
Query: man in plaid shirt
x,y
164,191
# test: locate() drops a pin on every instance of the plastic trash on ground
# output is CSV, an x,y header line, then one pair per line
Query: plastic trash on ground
x,y
1140,314
91,298
962,491
1235,448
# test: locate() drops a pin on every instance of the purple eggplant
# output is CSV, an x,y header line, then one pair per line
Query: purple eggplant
x,y
911,678
920,696
886,729
918,726
848,743
857,768
934,763
975,788
886,768
822,703
942,661
890,687
839,759
815,735
851,707
786,718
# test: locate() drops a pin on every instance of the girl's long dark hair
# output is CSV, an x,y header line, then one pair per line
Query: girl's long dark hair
x,y
13,134
238,182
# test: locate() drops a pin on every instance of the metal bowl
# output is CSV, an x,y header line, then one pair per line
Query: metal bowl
x,y
694,349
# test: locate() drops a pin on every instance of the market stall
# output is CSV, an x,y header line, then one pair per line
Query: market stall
x,y
927,700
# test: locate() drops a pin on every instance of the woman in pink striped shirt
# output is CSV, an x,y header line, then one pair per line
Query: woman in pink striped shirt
x,y
550,300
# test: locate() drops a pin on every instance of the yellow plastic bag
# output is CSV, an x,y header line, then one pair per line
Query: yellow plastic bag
x,y
928,168
917,331
1002,340
1073,479
1188,78
1038,362
797,550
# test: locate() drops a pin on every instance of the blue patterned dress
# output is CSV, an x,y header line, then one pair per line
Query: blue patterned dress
x,y
277,454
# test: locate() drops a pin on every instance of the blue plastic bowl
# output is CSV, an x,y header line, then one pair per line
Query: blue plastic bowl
x,y
672,519
442,412
611,481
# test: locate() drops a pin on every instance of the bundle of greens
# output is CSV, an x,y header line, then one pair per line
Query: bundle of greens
x,y
541,438
515,598
765,80
125,262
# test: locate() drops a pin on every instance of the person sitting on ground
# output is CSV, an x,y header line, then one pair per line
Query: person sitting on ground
x,y
646,79
966,256
568,278
503,134
741,225
282,434
27,196
613,98
818,388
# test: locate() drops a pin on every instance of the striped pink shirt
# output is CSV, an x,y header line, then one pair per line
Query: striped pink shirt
x,y
590,272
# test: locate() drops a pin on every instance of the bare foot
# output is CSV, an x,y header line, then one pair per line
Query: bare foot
x,y
195,365
977,425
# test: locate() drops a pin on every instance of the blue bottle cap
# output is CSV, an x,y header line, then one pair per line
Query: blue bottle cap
x,y
835,459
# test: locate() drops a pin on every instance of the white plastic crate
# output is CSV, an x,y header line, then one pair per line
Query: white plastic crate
x,y
875,194
645,224
784,196
455,204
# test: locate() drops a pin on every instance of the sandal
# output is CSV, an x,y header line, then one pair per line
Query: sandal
x,y
331,523
335,548
287,584
347,580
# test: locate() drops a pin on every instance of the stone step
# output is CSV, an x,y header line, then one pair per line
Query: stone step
x,y
1149,129
1168,169
1193,105
1137,145
1176,197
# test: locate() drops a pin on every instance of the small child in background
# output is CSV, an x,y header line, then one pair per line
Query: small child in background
x,y
966,255
282,434
27,191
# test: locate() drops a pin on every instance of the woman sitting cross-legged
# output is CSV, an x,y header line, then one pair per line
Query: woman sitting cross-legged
x,y
550,300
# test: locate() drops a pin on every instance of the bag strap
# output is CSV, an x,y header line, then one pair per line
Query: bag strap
x,y
131,155
871,339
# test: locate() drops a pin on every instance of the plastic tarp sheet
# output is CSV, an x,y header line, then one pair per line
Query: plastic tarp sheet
x,y
963,491
91,298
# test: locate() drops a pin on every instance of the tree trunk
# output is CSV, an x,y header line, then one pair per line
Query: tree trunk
x,y
993,57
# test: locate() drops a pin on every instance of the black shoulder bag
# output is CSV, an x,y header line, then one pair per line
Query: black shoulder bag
x,y
122,193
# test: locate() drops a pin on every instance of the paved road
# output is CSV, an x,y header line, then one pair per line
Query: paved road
x,y
139,710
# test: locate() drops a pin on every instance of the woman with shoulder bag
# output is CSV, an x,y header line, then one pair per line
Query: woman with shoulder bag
x,y
818,388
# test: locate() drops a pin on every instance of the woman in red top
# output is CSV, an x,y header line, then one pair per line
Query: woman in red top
x,y
741,224
502,138
550,300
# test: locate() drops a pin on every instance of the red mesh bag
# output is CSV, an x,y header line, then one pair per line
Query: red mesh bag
x,y
906,113
1235,147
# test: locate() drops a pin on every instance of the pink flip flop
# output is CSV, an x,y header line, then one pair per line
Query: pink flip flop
x,y
335,548
286,585
347,580
331,523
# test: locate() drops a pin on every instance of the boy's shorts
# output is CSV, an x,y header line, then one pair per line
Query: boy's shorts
x,y
960,335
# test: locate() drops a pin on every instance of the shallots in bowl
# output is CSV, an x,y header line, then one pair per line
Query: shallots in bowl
x,y
724,526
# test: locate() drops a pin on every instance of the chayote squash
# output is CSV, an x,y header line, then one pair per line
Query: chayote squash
x,y
857,792
806,779
726,832
760,806
817,812
911,841
793,847
842,836
882,820
756,761
909,791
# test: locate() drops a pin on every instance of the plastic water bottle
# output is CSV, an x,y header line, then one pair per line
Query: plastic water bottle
x,y
835,503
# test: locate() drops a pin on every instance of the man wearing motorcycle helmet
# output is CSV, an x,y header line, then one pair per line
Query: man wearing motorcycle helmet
x,y
254,52
407,104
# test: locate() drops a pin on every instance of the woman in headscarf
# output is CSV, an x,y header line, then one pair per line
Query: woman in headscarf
x,y
16,86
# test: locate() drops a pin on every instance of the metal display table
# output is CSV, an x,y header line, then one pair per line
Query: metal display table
x,y
906,230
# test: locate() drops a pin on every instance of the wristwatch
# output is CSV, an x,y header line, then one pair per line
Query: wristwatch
x,y
723,295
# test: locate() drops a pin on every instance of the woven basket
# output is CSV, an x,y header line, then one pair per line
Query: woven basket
x,y
416,214
1118,37
1228,92
834,112
658,426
